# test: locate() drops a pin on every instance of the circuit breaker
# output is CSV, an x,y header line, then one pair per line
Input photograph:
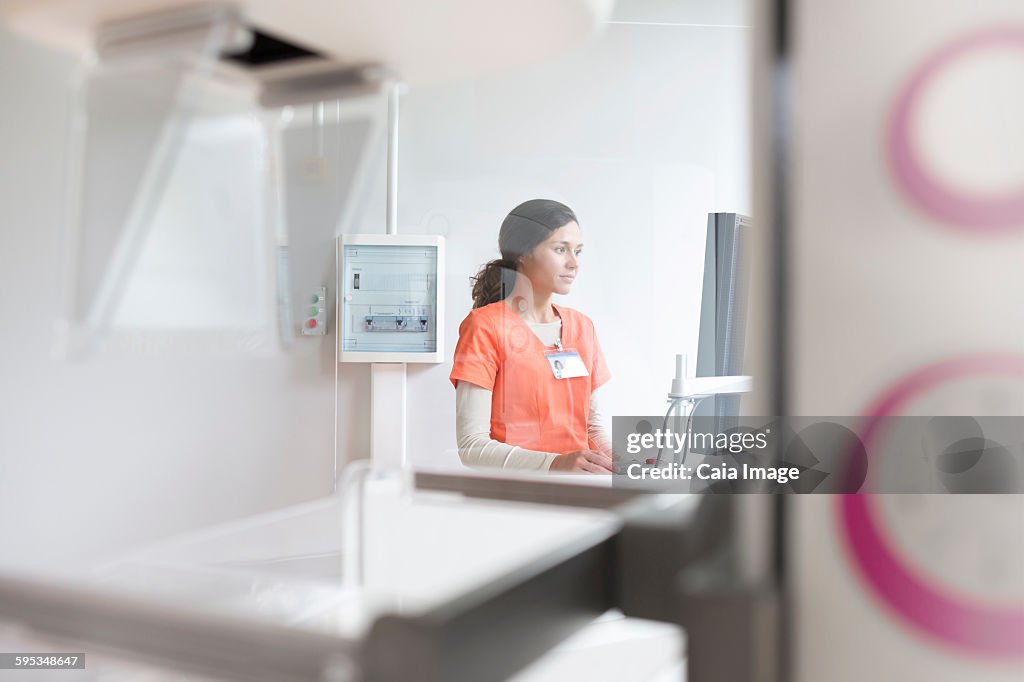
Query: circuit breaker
x,y
391,298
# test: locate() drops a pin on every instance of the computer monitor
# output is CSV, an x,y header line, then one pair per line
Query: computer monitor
x,y
723,311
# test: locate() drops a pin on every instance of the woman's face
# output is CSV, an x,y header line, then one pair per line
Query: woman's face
x,y
554,263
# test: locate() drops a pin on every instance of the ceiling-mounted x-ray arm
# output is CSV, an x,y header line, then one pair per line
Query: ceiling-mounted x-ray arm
x,y
134,102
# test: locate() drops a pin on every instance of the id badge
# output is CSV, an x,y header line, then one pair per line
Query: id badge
x,y
567,364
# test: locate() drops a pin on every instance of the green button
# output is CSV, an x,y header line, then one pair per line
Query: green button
x,y
313,311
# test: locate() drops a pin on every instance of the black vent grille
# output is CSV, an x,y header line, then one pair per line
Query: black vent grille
x,y
268,49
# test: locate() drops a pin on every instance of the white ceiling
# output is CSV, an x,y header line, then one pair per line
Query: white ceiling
x,y
695,12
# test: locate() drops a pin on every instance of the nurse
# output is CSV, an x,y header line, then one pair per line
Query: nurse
x,y
526,370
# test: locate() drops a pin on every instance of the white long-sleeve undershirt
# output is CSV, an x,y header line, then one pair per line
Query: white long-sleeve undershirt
x,y
478,449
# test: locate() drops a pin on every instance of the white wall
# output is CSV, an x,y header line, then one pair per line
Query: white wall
x,y
642,133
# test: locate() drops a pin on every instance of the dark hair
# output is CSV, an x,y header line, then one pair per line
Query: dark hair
x,y
526,226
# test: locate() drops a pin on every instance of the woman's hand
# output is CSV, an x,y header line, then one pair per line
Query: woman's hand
x,y
590,461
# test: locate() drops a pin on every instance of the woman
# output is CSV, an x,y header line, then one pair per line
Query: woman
x,y
526,371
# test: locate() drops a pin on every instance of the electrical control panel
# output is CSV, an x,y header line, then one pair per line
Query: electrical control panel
x,y
391,298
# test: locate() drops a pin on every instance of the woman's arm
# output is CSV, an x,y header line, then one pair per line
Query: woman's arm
x,y
597,432
473,431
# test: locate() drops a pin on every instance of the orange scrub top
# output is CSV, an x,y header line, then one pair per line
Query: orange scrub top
x,y
498,350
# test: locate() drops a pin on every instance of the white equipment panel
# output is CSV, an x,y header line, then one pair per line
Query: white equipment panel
x,y
391,303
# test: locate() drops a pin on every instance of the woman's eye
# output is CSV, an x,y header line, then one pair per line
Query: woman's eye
x,y
559,249
579,252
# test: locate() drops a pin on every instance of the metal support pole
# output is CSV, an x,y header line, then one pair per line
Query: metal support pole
x,y
394,95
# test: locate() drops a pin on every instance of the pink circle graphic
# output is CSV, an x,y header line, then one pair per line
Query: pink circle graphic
x,y
988,631
990,214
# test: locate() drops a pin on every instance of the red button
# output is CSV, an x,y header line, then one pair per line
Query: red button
x,y
311,324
